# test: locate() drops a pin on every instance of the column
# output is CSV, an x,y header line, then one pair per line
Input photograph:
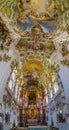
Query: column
x,y
49,109
54,115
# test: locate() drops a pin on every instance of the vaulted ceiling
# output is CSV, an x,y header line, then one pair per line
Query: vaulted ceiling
x,y
34,37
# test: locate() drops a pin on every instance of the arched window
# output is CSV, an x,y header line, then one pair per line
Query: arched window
x,y
56,87
10,84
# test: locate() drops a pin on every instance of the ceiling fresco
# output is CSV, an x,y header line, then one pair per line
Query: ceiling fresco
x,y
25,12
34,38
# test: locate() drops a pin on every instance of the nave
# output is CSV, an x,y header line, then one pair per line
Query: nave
x,y
34,64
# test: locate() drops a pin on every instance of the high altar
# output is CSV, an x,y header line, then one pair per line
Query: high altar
x,y
32,116
32,108
32,101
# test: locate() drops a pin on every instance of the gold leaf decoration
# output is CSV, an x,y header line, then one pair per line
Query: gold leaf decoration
x,y
6,58
65,62
0,58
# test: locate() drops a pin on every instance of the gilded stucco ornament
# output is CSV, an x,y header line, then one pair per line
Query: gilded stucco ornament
x,y
65,62
0,58
35,46
35,40
4,32
13,10
63,13
59,10
14,64
6,58
65,51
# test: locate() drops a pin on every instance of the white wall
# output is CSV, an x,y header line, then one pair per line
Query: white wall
x,y
4,74
64,74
